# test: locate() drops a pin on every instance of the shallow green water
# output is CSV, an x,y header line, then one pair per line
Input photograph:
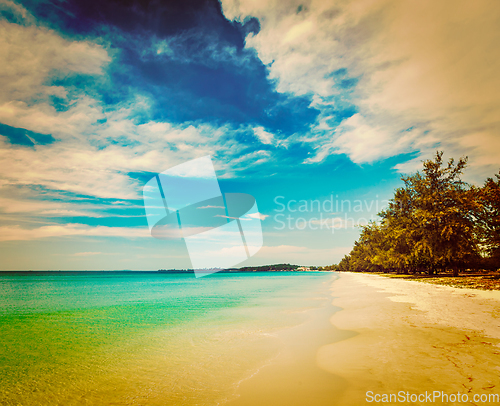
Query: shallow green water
x,y
155,339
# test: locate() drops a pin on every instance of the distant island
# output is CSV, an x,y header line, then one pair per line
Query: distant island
x,y
262,268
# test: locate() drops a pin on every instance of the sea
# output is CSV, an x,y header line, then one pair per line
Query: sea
x,y
144,338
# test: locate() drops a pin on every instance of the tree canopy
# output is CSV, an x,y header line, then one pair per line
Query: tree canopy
x,y
436,221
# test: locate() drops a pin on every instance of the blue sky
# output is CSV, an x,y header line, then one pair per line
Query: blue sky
x,y
294,101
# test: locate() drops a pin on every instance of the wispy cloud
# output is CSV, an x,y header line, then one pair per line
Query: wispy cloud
x,y
35,53
195,46
264,136
257,216
21,205
86,254
16,233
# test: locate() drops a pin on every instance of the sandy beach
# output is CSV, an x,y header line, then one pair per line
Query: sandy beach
x,y
294,339
390,337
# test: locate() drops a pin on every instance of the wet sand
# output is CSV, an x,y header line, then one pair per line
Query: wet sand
x,y
294,377
390,336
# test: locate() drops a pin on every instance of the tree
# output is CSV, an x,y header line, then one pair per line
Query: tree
x,y
430,223
490,219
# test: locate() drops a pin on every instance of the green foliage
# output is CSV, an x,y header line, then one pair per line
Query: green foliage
x,y
325,268
276,267
489,196
435,221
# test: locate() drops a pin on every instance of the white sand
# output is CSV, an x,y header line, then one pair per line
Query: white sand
x,y
413,337
467,309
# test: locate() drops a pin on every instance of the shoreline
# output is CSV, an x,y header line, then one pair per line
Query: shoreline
x,y
414,338
293,377
384,335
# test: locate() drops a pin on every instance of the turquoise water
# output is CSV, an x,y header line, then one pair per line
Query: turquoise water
x,y
131,338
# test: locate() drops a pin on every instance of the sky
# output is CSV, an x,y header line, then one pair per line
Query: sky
x,y
315,108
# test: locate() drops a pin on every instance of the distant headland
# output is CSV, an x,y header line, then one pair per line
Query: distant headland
x,y
262,268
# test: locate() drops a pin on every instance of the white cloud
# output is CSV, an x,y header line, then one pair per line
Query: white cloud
x,y
209,50
88,156
17,10
428,66
96,147
86,254
84,161
362,142
257,216
32,53
264,136
17,233
21,207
